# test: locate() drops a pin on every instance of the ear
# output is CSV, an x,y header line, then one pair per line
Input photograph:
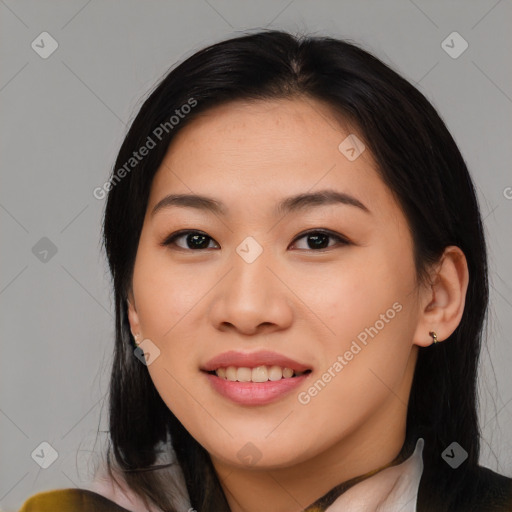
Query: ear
x,y
133,317
442,303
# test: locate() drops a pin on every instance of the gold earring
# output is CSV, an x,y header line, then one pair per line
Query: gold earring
x,y
434,336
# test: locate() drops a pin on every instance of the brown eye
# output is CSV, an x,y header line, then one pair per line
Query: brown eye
x,y
318,240
194,240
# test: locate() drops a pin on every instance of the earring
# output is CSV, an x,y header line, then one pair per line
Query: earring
x,y
136,336
434,336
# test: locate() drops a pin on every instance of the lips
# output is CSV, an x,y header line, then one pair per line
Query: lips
x,y
253,360
253,392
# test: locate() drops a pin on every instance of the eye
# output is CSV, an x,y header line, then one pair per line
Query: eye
x,y
197,240
316,239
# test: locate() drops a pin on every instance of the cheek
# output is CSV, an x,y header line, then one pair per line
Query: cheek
x,y
165,291
368,309
365,362
351,296
167,297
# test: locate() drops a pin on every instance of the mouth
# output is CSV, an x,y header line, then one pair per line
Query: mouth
x,y
257,378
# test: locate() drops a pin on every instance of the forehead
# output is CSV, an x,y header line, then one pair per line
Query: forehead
x,y
265,150
261,127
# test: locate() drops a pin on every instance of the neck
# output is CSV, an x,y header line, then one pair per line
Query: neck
x,y
365,451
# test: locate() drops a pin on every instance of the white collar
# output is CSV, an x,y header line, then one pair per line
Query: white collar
x,y
390,490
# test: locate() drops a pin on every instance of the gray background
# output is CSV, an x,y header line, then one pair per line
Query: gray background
x,y
62,121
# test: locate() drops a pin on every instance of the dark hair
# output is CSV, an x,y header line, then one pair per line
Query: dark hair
x,y
420,163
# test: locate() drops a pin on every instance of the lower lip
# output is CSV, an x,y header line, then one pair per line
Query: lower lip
x,y
255,393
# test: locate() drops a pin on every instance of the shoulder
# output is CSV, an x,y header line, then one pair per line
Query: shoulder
x,y
70,500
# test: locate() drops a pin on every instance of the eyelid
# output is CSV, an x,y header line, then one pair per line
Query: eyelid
x,y
343,240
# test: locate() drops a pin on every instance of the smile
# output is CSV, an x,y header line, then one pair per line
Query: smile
x,y
254,379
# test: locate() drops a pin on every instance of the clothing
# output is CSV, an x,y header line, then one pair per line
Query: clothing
x,y
392,489
70,500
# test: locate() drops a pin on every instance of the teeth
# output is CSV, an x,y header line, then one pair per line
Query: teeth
x,y
287,373
257,374
275,373
230,373
243,374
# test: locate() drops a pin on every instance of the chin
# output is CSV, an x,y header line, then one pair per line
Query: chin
x,y
250,450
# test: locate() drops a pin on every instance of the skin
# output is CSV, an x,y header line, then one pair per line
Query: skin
x,y
307,304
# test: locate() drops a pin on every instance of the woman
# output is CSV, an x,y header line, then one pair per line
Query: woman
x,y
300,283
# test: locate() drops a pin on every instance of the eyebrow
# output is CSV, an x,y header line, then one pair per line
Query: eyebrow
x,y
295,203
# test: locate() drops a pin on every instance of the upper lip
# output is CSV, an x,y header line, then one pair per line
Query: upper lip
x,y
251,360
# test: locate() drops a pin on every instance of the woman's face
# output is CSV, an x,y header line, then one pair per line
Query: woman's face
x,y
253,294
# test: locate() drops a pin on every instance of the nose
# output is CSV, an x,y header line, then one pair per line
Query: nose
x,y
252,298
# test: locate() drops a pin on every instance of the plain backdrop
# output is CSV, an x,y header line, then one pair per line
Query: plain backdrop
x,y
62,120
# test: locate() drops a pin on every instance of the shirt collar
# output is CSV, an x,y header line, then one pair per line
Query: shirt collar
x,y
392,489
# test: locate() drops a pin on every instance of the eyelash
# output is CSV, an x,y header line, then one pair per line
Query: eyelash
x,y
340,239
